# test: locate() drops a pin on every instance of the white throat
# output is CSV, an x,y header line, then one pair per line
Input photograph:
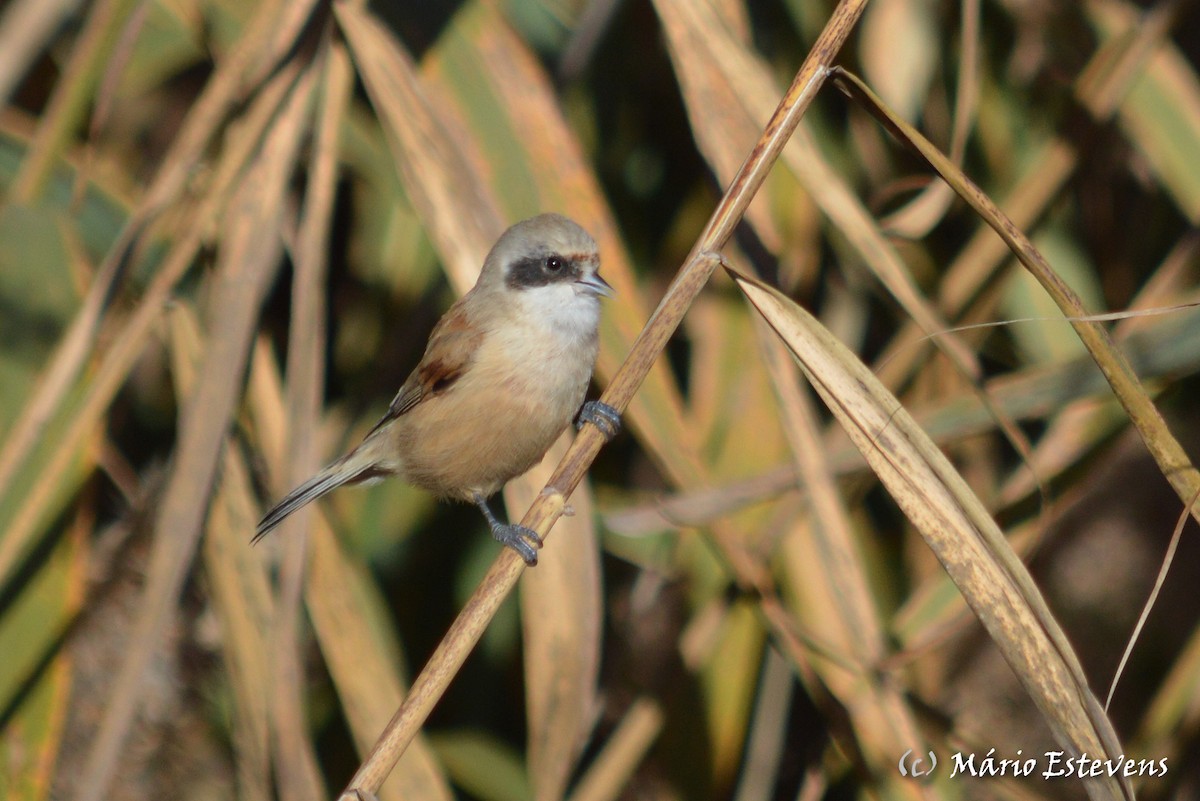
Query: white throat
x,y
561,311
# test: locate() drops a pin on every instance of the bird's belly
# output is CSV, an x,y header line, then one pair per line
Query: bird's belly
x,y
486,431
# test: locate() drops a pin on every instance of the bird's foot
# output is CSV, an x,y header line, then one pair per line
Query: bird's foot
x,y
602,416
521,539
524,541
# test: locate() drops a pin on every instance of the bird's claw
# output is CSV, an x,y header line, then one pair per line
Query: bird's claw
x,y
521,539
602,416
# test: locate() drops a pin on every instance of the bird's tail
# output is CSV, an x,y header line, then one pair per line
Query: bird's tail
x,y
347,470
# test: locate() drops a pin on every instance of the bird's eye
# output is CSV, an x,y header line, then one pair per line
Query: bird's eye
x,y
554,264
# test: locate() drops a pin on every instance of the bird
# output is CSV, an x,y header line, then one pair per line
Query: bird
x,y
505,371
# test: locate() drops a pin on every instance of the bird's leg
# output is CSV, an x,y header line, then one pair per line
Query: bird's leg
x,y
521,539
602,416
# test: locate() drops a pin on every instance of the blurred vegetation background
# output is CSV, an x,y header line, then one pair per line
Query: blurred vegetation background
x,y
226,229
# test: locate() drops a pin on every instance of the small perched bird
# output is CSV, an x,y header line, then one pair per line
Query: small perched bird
x,y
505,371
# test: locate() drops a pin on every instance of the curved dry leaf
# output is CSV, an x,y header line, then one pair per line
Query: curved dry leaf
x,y
957,529
827,571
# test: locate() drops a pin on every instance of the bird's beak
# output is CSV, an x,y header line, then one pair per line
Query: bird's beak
x,y
593,284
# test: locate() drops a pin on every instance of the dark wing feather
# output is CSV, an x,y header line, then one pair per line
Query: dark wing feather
x,y
452,346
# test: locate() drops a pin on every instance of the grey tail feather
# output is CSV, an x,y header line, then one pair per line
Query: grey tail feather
x,y
328,479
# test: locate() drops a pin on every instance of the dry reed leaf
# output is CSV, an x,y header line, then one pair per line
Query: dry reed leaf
x,y
1037,394
305,389
1079,426
737,419
900,51
728,670
353,628
306,328
350,618
461,217
1161,113
561,615
128,343
961,534
609,774
240,591
768,740
34,729
25,28
246,70
354,631
247,262
699,507
918,217
242,597
827,573
71,98
724,133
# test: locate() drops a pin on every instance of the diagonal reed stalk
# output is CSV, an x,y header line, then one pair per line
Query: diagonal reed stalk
x,y
502,576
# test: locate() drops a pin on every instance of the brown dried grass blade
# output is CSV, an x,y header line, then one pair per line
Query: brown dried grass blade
x,y
306,381
203,119
248,260
240,590
25,28
827,571
609,774
560,622
956,527
460,215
